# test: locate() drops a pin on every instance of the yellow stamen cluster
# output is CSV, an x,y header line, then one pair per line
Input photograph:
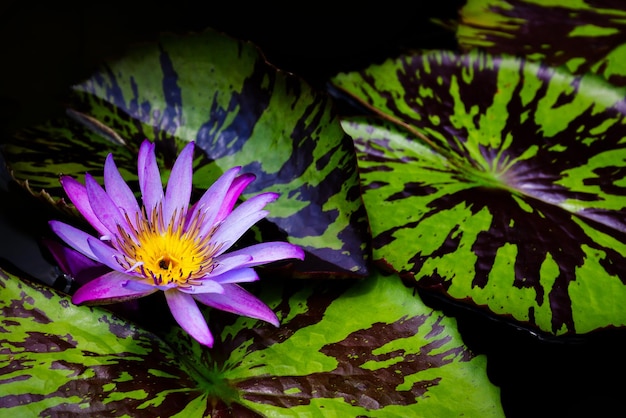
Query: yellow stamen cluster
x,y
169,253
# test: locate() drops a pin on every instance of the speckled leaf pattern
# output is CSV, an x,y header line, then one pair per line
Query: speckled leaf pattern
x,y
240,110
499,182
58,359
390,356
583,35
38,155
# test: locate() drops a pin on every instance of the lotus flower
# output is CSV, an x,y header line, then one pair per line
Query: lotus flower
x,y
168,245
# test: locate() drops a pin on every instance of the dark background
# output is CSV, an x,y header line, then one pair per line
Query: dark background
x,y
47,47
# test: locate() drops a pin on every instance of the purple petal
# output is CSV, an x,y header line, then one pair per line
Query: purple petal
x,y
179,185
118,190
149,177
105,254
264,253
109,288
225,264
206,286
73,237
236,276
235,190
77,193
238,301
142,286
211,201
77,265
105,209
241,219
228,234
188,316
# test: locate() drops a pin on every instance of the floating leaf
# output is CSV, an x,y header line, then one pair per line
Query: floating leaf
x,y
584,35
60,359
499,182
240,110
334,354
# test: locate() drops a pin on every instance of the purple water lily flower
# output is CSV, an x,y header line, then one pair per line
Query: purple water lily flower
x,y
167,245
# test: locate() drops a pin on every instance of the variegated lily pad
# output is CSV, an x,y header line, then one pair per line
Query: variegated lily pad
x,y
499,182
365,348
240,110
585,35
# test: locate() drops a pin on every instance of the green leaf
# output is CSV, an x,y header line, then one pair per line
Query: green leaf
x,y
60,359
499,182
584,36
240,110
349,348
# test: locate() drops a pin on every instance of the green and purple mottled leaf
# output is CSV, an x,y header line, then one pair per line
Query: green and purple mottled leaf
x,y
499,182
358,348
239,110
59,359
583,35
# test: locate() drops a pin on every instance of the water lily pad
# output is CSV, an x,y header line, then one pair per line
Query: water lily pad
x,y
499,182
240,110
332,355
584,36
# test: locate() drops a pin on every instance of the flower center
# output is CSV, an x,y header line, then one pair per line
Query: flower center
x,y
175,253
